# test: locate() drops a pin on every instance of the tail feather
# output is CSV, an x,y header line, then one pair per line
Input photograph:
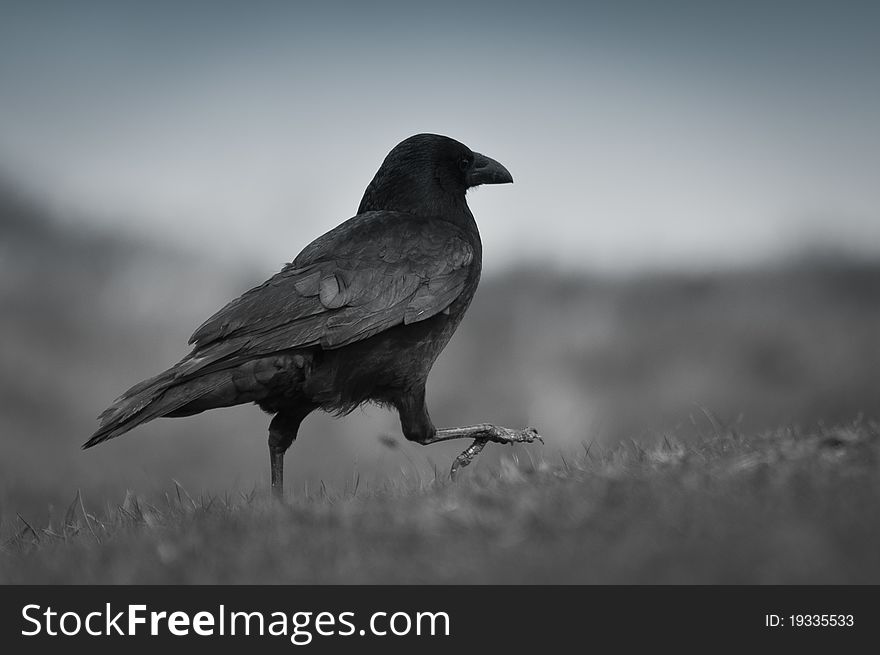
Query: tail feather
x,y
158,396
184,390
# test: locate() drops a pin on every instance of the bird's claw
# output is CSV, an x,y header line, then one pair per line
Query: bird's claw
x,y
469,455
497,435
506,435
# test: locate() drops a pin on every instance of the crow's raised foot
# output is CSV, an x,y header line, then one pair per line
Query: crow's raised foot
x,y
496,434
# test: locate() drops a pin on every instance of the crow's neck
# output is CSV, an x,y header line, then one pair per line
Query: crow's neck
x,y
419,201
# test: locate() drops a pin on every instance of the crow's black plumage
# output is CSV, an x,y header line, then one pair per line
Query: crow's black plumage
x,y
359,316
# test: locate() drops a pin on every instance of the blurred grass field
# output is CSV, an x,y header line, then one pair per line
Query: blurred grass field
x,y
779,507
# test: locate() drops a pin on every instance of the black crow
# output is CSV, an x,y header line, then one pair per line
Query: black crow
x,y
359,316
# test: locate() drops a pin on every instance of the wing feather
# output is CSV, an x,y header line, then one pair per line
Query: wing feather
x,y
375,271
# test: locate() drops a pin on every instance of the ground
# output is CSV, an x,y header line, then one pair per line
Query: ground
x,y
782,506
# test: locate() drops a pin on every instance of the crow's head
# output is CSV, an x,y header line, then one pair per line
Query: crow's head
x,y
426,172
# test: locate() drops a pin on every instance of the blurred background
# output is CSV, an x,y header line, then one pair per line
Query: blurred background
x,y
692,242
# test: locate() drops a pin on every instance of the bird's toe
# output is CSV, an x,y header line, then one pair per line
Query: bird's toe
x,y
503,435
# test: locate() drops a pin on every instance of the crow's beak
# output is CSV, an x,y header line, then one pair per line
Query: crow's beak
x,y
487,171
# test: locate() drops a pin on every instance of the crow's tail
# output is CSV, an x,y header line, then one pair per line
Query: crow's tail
x,y
186,389
161,395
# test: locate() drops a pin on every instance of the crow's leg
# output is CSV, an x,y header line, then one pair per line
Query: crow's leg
x,y
282,433
417,426
482,434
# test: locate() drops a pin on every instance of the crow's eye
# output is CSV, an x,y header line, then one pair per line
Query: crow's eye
x,y
465,163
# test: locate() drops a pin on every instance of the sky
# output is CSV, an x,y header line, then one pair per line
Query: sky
x,y
640,135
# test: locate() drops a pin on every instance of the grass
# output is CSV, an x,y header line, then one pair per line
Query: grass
x,y
779,507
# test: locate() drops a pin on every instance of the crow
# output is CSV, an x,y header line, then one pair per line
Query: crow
x,y
359,316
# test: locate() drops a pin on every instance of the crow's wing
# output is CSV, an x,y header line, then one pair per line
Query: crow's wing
x,y
375,271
